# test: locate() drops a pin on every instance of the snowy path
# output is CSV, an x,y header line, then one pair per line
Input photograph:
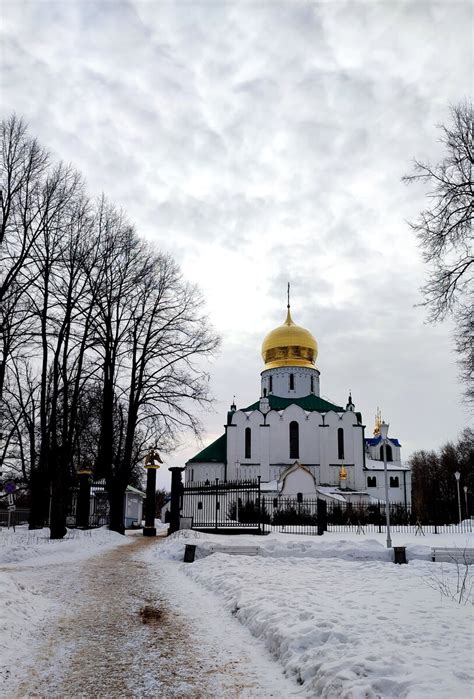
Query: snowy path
x,y
121,627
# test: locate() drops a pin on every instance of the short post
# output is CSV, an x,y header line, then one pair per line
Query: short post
x,y
176,492
152,463
83,498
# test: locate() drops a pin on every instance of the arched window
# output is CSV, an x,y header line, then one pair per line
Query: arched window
x,y
312,384
292,382
248,442
264,392
394,483
294,440
371,482
340,443
270,384
389,452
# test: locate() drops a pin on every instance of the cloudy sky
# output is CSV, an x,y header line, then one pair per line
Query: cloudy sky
x,y
261,142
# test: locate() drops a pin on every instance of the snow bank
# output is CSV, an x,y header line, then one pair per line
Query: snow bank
x,y
350,629
24,545
346,546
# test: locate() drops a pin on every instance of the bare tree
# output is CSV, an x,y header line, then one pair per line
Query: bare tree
x,y
444,231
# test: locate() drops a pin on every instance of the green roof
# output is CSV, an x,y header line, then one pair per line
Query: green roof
x,y
308,403
217,451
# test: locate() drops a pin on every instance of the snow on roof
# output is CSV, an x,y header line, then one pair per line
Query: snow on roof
x,y
330,492
377,465
269,486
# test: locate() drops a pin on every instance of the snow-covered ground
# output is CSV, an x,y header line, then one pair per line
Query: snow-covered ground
x,y
333,613
24,611
340,617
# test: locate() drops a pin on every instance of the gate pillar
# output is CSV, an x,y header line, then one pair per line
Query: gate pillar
x,y
176,495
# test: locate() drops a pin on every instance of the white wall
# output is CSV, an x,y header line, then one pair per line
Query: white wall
x,y
281,381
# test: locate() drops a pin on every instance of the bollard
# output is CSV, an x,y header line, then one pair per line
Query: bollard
x,y
189,553
400,554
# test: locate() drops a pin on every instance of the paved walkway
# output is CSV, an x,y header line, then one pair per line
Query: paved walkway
x,y
127,628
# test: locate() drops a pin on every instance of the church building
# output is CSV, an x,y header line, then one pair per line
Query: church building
x,y
297,442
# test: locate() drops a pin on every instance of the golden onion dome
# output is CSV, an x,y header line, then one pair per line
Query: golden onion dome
x,y
289,345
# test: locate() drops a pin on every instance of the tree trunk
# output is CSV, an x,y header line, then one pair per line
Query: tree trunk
x,y
39,493
59,505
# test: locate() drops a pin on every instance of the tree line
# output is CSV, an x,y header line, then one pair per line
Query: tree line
x,y
101,338
434,488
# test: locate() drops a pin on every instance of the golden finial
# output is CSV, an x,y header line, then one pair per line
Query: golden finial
x,y
378,422
342,473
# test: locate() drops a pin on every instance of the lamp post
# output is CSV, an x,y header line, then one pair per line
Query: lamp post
x,y
152,463
383,433
457,476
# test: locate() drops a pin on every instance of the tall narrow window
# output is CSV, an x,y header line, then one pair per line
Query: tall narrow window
x,y
312,384
340,443
292,382
270,384
294,440
389,452
248,442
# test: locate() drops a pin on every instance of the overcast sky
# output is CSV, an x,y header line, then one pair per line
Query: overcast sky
x,y
262,143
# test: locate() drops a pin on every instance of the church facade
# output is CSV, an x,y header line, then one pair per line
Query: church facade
x,y
298,443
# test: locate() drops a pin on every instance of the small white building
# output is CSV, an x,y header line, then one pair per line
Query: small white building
x,y
297,441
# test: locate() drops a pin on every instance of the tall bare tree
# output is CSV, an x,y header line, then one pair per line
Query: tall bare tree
x,y
445,233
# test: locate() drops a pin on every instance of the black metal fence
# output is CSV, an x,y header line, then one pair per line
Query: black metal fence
x,y
222,505
98,506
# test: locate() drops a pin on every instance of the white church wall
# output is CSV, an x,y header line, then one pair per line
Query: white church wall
x,y
396,494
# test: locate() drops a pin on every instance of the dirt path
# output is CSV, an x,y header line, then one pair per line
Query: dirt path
x,y
121,632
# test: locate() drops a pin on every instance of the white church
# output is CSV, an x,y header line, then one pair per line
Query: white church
x,y
297,442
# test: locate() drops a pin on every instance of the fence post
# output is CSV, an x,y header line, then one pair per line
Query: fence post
x,y
217,502
83,499
259,508
322,516
176,492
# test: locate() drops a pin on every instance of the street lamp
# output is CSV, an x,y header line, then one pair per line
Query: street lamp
x,y
383,433
152,463
457,476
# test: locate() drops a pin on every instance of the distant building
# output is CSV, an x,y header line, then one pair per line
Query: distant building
x,y
298,442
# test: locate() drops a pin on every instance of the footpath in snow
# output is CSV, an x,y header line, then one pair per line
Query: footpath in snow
x,y
89,617
339,616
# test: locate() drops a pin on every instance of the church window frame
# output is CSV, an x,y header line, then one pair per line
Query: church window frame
x,y
292,382
371,481
312,384
394,482
248,443
270,384
294,439
340,443
389,452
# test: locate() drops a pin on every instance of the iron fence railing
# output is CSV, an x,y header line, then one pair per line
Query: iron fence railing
x,y
223,504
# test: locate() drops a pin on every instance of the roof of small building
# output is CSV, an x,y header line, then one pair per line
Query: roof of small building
x,y
376,465
308,403
215,452
373,441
